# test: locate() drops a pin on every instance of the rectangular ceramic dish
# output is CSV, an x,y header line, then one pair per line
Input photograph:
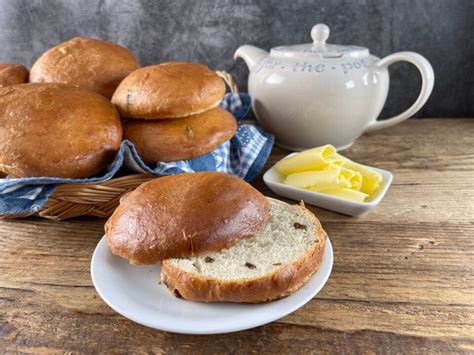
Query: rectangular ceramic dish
x,y
274,180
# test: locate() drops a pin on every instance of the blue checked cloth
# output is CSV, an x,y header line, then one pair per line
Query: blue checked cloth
x,y
244,156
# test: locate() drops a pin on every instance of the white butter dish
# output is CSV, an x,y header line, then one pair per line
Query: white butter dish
x,y
274,180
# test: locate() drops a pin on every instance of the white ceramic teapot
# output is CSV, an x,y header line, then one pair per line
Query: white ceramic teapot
x,y
313,94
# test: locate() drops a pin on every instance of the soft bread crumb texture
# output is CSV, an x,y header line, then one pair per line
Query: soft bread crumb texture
x,y
287,237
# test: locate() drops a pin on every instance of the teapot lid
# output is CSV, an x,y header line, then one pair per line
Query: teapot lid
x,y
319,48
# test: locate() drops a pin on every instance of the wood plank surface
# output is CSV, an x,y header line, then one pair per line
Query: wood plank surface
x,y
403,277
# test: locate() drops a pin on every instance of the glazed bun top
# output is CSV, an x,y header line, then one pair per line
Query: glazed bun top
x,y
12,74
56,130
183,215
169,90
88,63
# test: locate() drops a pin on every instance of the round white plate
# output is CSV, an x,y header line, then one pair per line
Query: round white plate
x,y
135,293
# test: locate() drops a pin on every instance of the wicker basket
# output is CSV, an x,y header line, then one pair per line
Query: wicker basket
x,y
98,200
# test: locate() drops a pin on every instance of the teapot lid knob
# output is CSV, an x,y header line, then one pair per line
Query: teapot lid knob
x,y
320,34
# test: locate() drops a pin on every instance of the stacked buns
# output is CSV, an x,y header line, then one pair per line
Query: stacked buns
x,y
62,124
217,237
172,112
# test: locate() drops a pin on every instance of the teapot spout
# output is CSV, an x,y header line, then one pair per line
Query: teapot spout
x,y
250,54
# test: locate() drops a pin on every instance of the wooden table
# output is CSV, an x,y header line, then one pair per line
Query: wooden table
x,y
402,279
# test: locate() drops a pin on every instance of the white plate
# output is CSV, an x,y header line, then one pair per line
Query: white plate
x,y
134,292
274,180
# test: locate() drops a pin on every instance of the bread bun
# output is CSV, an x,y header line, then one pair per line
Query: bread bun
x,y
56,130
169,90
275,263
87,63
12,74
184,215
180,139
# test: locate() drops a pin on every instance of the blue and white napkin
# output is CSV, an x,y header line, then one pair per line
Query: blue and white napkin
x,y
244,156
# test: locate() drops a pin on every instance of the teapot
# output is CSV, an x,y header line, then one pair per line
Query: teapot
x,y
309,95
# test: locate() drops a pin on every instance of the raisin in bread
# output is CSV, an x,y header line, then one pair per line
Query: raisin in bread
x,y
273,264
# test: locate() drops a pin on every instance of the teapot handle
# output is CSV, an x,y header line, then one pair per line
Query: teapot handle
x,y
427,82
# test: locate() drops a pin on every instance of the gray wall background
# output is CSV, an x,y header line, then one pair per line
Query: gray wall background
x,y
209,32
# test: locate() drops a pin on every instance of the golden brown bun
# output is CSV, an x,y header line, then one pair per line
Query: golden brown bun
x,y
185,214
180,139
56,130
89,63
286,280
12,74
168,90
